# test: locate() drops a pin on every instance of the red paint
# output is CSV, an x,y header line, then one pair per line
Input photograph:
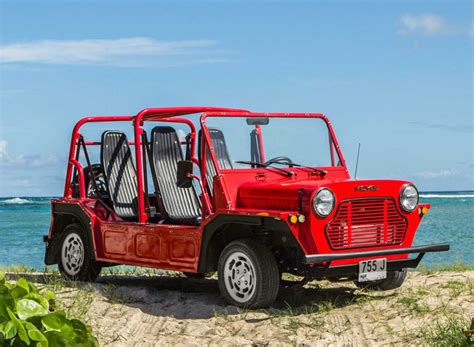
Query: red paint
x,y
366,220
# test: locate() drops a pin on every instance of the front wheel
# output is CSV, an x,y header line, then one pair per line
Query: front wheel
x,y
394,280
248,274
74,261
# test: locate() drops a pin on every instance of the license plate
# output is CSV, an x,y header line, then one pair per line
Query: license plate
x,y
372,270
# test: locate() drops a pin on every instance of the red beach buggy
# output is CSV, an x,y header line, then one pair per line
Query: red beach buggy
x,y
249,195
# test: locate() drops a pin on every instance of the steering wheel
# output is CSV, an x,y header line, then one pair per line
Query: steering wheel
x,y
279,160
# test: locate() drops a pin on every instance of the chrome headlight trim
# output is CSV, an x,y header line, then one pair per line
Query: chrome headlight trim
x,y
323,202
409,198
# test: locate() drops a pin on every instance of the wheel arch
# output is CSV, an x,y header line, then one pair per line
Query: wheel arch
x,y
223,229
64,215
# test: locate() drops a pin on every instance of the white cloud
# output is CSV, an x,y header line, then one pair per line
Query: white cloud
x,y
438,173
3,149
432,25
38,161
181,135
134,51
426,24
6,159
460,128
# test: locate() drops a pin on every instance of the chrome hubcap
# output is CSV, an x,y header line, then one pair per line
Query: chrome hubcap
x,y
72,254
239,277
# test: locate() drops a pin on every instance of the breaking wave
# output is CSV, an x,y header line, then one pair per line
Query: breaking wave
x,y
16,201
446,196
24,201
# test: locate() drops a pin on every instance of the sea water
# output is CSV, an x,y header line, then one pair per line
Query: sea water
x,y
24,221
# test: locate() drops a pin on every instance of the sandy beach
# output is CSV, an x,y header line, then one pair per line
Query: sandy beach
x,y
173,310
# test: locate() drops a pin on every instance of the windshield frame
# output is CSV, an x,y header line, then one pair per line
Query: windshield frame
x,y
208,141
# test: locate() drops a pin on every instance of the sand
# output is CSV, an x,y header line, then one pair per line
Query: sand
x,y
130,310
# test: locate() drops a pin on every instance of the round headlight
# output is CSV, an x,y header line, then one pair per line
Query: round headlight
x,y
323,202
409,198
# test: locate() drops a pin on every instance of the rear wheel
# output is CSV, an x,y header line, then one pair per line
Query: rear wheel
x,y
248,274
394,280
74,261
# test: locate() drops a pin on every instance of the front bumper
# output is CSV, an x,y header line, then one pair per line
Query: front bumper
x,y
322,258
319,265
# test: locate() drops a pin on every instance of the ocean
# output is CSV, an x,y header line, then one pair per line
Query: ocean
x,y
24,220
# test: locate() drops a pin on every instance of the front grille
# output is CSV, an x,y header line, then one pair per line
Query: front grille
x,y
366,223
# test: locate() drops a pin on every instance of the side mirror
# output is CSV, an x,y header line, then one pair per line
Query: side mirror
x,y
185,174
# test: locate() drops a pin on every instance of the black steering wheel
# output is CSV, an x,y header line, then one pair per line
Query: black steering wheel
x,y
279,160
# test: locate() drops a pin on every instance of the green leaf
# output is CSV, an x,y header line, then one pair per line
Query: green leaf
x,y
18,292
21,331
6,301
2,277
9,330
27,308
49,295
57,339
78,325
32,288
13,318
22,283
39,299
36,321
34,333
54,321
22,334
25,319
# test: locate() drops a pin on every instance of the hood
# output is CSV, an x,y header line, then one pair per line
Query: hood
x,y
289,195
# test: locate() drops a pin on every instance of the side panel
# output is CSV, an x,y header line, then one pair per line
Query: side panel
x,y
152,245
112,240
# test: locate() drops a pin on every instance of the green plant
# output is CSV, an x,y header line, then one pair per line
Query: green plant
x,y
456,287
414,305
447,333
457,266
28,318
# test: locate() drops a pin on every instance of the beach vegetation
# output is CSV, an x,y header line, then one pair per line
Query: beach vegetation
x,y
414,305
457,266
29,317
450,332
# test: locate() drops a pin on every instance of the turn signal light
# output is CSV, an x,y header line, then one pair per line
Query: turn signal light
x,y
296,218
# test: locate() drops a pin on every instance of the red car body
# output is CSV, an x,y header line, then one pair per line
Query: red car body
x,y
367,221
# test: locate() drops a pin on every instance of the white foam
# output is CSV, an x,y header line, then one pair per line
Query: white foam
x,y
16,201
446,196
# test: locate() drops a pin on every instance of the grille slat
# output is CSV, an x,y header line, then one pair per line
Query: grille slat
x,y
366,223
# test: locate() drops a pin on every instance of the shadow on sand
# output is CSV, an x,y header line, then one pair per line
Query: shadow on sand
x,y
188,298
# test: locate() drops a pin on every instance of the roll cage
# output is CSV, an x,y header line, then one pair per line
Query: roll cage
x,y
173,115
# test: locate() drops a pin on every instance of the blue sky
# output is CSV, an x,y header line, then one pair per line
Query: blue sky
x,y
396,76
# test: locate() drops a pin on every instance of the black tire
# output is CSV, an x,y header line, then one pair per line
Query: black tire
x,y
263,285
74,238
394,280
